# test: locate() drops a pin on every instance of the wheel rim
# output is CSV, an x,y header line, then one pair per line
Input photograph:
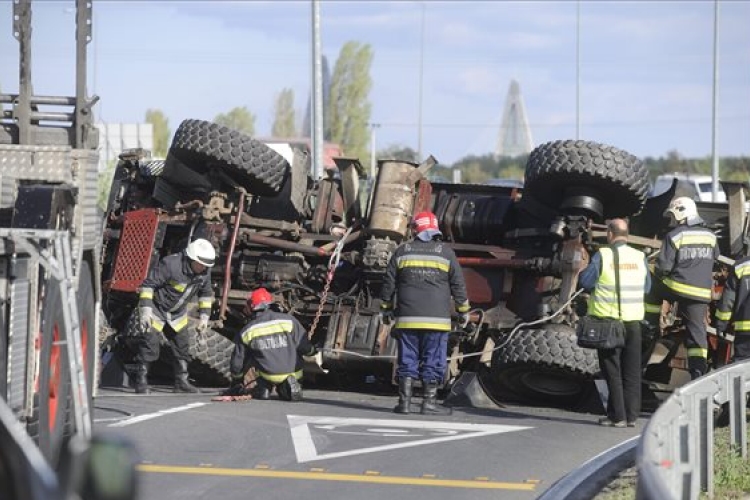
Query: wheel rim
x,y
53,394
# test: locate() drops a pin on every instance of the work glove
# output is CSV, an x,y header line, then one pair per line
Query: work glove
x,y
387,317
463,319
144,318
202,325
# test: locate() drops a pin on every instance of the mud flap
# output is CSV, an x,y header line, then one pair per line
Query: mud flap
x,y
468,392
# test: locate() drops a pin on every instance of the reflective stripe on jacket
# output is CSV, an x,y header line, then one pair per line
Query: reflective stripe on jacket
x,y
734,305
686,261
633,272
169,287
275,342
428,284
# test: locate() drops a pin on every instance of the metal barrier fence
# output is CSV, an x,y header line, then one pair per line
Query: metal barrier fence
x,y
675,454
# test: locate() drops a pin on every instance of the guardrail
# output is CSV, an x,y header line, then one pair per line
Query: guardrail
x,y
587,480
675,453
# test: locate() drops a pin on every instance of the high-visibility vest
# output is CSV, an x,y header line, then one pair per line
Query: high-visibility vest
x,y
603,300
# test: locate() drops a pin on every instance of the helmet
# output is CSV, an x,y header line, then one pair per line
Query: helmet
x,y
682,209
426,226
201,251
259,299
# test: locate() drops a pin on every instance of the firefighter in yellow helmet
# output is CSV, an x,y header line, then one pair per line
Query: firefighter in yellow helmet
x,y
684,273
162,309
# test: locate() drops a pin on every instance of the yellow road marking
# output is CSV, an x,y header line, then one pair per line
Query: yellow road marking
x,y
320,476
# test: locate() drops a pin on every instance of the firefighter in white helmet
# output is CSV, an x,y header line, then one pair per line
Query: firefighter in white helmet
x,y
684,273
164,295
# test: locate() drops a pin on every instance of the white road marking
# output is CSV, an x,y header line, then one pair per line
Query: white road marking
x,y
431,431
160,413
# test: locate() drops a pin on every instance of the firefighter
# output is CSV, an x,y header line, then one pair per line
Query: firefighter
x,y
684,273
734,308
162,309
273,343
423,274
621,367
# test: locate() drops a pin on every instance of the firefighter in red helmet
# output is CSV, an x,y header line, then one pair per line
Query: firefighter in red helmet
x,y
426,279
273,343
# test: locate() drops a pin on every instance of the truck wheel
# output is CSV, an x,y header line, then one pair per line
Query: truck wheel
x,y
87,321
544,366
201,145
47,424
614,177
209,364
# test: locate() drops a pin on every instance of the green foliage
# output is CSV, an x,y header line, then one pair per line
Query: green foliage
x,y
283,121
479,169
239,118
398,152
731,471
349,107
104,184
161,131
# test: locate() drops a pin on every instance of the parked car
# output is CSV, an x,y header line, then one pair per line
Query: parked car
x,y
698,187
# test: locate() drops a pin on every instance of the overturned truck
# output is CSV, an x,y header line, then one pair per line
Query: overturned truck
x,y
322,246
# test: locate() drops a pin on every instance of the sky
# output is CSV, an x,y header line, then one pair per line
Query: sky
x,y
645,74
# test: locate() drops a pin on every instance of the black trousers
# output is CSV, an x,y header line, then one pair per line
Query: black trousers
x,y
149,344
621,368
693,315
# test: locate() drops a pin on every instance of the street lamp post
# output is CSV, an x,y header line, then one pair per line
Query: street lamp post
x,y
373,160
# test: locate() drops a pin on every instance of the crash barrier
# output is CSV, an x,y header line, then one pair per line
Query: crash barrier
x,y
675,455
587,481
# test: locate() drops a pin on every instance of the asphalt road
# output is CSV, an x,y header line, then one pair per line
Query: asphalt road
x,y
337,444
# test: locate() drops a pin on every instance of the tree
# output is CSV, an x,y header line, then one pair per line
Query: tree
x,y
283,121
104,183
239,119
349,109
161,131
398,152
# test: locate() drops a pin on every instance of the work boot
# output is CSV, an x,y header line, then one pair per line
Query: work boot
x,y
405,385
262,389
141,379
290,389
181,383
429,401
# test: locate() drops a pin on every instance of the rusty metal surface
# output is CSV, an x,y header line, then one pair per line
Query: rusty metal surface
x,y
135,250
393,202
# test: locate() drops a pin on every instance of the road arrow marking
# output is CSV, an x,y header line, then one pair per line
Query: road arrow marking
x,y
409,433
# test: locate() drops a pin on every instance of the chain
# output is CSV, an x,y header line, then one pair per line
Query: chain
x,y
333,263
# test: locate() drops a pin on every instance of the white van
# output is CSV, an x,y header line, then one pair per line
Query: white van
x,y
699,187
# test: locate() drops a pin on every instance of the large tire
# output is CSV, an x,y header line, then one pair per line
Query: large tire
x,y
616,178
209,363
258,168
545,366
51,404
87,321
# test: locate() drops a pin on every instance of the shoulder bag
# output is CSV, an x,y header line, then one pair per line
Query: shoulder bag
x,y
603,333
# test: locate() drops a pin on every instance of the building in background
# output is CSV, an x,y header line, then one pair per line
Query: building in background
x,y
515,133
114,138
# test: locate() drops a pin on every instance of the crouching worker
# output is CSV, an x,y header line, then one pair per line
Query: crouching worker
x,y
162,310
273,343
